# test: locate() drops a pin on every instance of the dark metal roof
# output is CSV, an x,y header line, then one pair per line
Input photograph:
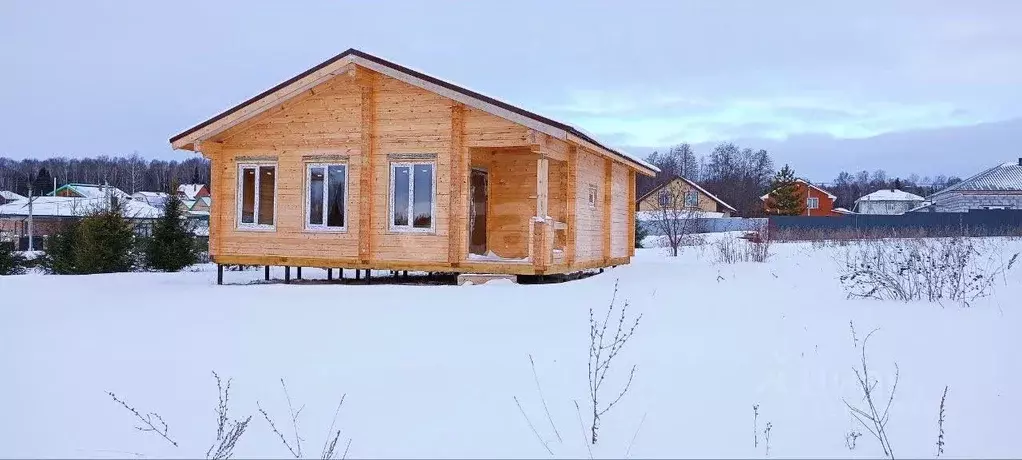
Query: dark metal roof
x,y
400,68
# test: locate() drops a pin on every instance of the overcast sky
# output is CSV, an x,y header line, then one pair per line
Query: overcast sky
x,y
928,86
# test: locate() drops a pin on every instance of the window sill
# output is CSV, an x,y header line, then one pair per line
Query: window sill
x,y
255,228
325,230
412,231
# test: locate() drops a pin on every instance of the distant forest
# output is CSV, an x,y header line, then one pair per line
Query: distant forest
x,y
740,175
131,174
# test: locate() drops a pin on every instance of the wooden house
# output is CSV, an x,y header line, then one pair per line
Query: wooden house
x,y
696,199
362,163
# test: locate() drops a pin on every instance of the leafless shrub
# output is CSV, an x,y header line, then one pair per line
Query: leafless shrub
x,y
957,269
766,438
872,418
940,424
602,351
295,446
152,422
227,432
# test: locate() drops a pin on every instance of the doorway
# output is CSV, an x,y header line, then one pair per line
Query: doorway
x,y
477,212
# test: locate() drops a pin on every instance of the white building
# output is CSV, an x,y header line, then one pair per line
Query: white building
x,y
888,202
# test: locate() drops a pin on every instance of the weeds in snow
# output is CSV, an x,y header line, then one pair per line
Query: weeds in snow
x,y
735,250
227,432
940,424
153,422
958,269
766,438
329,445
602,351
872,418
850,439
755,425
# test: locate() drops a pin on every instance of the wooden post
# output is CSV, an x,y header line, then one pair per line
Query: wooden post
x,y
367,171
299,273
369,276
608,167
266,273
219,274
542,187
287,274
458,210
329,274
631,212
358,274
572,202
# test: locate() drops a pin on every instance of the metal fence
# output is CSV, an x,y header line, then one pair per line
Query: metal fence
x,y
713,225
975,223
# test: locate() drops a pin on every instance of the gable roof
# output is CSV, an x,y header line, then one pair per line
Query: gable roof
x,y
190,190
802,181
1005,177
890,195
469,97
10,196
91,191
62,206
693,185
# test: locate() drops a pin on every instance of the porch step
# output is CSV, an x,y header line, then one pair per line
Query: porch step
x,y
482,278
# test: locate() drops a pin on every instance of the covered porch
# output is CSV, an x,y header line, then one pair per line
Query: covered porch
x,y
519,210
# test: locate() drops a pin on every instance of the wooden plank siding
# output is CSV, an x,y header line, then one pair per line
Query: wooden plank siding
x,y
366,120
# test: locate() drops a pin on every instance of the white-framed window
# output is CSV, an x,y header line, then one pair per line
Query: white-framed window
x,y
813,203
412,196
691,199
326,197
593,195
665,198
257,196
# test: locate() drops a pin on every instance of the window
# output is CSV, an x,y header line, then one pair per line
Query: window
x,y
664,198
593,193
691,199
813,202
411,196
257,204
326,191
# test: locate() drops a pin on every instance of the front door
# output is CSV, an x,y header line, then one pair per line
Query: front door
x,y
477,213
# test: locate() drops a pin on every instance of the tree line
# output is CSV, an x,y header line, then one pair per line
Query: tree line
x,y
131,174
740,175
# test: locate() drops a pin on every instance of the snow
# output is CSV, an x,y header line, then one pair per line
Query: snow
x,y
491,256
890,195
430,371
60,206
10,196
97,191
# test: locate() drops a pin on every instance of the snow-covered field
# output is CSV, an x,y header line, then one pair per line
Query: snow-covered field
x,y
431,371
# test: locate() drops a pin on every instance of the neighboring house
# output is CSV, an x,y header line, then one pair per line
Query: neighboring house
x,y
363,163
999,187
7,196
818,202
196,208
156,199
888,202
48,212
697,199
192,191
89,191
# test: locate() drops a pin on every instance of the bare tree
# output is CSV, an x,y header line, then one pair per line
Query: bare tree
x,y
602,351
673,218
